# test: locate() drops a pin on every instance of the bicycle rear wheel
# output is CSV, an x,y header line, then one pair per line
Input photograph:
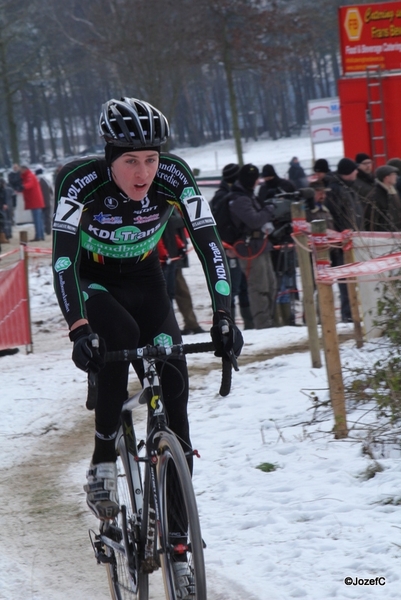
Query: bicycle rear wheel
x,y
178,513
126,581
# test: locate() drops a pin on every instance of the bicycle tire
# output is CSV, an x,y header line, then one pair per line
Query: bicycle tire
x,y
123,584
172,463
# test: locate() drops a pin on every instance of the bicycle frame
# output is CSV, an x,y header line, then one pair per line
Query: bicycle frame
x,y
145,492
138,538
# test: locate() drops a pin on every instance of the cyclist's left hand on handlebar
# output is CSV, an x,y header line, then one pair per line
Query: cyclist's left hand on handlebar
x,y
89,350
226,336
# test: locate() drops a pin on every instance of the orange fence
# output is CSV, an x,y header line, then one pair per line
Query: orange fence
x,y
14,307
15,326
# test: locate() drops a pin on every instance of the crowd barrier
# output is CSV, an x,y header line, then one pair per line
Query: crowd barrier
x,y
15,322
367,256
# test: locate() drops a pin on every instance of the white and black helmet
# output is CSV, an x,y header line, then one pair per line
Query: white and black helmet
x,y
132,123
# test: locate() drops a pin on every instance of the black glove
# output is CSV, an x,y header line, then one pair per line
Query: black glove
x,y
226,336
89,350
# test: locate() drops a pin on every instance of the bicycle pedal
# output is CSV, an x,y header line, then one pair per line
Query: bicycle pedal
x,y
98,548
102,557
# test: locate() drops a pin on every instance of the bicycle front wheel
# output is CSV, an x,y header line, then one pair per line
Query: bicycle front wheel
x,y
126,581
179,519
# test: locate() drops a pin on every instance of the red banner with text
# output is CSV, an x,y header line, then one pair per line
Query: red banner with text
x,y
370,35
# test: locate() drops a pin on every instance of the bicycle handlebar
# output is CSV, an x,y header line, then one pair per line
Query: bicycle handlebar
x,y
178,350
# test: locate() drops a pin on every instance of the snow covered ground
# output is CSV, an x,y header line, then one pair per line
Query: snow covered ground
x,y
298,529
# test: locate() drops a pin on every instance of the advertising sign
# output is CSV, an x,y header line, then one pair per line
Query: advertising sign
x,y
325,120
370,35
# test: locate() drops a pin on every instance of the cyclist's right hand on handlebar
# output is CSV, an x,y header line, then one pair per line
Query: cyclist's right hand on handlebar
x,y
89,350
226,336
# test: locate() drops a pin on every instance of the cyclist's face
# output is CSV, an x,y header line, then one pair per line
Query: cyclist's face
x,y
134,172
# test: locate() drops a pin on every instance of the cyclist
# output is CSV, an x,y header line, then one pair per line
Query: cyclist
x,y
110,213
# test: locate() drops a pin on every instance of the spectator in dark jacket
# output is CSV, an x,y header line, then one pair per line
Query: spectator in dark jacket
x,y
316,210
396,162
15,182
229,175
347,211
6,208
256,265
343,200
273,184
365,180
383,210
322,171
296,174
238,280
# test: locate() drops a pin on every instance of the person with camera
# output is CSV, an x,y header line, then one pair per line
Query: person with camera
x,y
273,184
347,210
254,248
274,189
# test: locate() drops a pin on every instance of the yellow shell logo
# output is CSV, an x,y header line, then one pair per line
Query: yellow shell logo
x,y
353,24
154,401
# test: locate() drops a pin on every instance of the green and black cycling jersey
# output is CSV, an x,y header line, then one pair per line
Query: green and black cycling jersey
x,y
99,232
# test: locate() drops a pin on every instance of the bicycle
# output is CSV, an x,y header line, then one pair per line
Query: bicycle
x,y
137,542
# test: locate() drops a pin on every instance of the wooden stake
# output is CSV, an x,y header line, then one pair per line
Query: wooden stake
x,y
329,332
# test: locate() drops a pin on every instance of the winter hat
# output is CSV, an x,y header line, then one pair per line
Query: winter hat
x,y
318,186
113,152
385,170
321,166
230,172
39,171
269,171
346,166
395,162
359,158
248,176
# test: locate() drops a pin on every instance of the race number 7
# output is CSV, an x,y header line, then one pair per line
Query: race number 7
x,y
68,211
198,209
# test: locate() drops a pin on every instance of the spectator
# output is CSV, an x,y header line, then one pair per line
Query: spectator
x,y
229,176
296,174
383,210
239,284
15,182
272,184
364,181
316,209
256,264
322,171
347,211
396,162
33,199
343,201
47,192
6,208
283,258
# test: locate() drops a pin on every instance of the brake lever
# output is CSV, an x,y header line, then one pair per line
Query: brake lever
x,y
225,330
